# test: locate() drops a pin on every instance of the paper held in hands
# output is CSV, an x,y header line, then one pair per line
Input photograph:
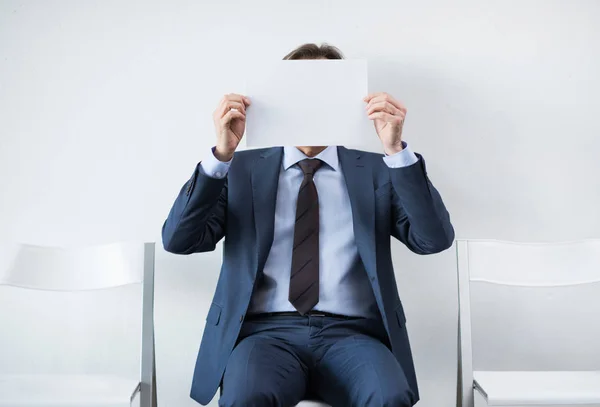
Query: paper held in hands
x,y
308,103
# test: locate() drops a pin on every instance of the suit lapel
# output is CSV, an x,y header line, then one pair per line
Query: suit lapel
x,y
265,182
359,181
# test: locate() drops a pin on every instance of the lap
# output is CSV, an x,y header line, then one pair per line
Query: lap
x,y
361,371
263,371
341,361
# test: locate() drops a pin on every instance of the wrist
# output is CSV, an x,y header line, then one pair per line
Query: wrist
x,y
223,155
393,149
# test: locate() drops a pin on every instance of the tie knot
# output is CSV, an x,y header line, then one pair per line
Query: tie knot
x,y
310,166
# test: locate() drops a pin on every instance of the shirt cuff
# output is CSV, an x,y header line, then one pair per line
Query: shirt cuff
x,y
401,159
214,168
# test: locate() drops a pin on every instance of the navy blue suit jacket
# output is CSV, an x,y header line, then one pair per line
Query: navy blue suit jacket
x,y
385,202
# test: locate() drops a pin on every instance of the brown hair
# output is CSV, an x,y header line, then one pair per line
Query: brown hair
x,y
314,51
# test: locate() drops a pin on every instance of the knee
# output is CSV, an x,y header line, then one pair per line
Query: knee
x,y
387,397
396,398
248,397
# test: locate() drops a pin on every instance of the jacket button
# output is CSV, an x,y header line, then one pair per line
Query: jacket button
x,y
373,278
242,318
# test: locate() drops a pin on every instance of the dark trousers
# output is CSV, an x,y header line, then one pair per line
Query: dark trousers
x,y
281,360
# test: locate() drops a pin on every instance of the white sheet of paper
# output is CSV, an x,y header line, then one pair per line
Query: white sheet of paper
x,y
308,103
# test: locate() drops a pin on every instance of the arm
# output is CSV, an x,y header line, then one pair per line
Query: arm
x,y
419,218
198,218
196,222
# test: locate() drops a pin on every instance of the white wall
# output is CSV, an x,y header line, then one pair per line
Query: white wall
x,y
105,108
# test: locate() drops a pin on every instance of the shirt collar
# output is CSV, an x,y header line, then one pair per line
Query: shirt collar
x,y
291,156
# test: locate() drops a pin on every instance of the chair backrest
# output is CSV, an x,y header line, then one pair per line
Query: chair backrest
x,y
90,268
529,266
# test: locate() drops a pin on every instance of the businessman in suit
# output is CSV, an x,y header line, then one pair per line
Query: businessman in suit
x,y
306,302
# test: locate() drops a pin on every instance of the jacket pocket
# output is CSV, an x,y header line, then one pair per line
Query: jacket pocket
x,y
214,314
400,315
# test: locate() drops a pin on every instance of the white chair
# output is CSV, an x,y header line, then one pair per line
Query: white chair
x,y
520,360
71,274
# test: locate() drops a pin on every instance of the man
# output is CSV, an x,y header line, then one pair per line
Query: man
x,y
307,304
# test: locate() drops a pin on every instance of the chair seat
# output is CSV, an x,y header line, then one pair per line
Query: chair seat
x,y
65,391
538,388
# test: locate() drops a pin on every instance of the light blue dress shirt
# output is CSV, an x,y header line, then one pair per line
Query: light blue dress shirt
x,y
344,287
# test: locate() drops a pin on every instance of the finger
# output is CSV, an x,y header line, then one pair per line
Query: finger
x,y
236,105
387,98
228,105
232,115
382,96
390,118
236,98
372,95
382,107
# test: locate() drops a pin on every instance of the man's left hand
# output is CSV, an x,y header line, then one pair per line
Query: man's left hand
x,y
388,116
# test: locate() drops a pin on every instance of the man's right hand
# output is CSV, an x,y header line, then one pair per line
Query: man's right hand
x,y
230,123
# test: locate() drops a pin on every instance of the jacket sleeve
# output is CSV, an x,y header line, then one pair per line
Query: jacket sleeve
x,y
419,218
196,222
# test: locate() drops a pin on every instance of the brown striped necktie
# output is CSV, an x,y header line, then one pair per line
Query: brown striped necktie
x,y
304,278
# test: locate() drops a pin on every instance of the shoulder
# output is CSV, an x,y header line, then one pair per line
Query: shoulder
x,y
245,159
367,154
251,155
374,160
368,158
